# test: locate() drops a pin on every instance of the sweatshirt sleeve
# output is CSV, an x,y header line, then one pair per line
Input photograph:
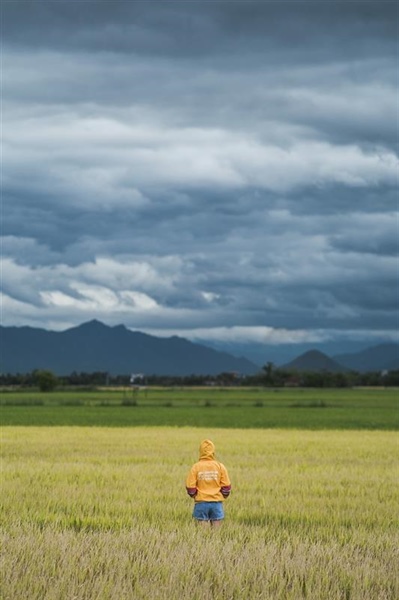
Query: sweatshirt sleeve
x,y
191,483
225,484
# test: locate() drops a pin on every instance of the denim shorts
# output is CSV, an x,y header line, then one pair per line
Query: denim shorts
x,y
208,511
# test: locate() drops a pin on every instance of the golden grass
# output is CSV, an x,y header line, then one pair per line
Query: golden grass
x,y
92,513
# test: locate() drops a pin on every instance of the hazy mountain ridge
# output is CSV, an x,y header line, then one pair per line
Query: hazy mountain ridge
x,y
377,358
94,346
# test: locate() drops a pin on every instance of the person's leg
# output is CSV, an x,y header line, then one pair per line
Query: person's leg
x,y
216,524
216,514
204,523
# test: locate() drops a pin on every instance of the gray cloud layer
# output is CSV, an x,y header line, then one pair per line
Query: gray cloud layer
x,y
221,169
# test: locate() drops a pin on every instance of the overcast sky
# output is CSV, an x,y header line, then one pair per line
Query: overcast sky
x,y
218,170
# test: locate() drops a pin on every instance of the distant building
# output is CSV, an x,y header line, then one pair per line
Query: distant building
x,y
136,379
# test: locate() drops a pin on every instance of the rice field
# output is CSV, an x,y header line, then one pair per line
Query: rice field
x,y
206,407
101,513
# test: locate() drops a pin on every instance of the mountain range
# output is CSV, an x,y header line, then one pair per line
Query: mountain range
x,y
93,346
117,350
380,358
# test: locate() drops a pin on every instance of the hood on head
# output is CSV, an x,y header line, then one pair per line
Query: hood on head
x,y
207,449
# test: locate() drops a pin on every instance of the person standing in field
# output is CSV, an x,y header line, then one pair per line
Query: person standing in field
x,y
209,484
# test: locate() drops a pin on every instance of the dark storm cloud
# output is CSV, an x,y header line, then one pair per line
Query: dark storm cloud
x,y
187,29
201,166
328,68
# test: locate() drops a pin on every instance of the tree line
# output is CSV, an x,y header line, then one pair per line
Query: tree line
x,y
269,376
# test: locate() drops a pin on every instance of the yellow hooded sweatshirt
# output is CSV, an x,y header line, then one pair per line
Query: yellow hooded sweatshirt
x,y
208,480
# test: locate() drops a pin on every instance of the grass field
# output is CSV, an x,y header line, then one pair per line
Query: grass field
x,y
232,407
101,513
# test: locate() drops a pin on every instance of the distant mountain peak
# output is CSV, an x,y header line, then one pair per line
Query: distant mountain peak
x,y
314,360
315,354
93,324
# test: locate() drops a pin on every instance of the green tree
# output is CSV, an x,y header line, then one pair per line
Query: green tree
x,y
46,380
268,370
